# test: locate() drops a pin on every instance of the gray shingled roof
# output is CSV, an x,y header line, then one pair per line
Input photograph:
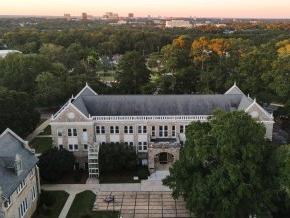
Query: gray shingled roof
x,y
138,105
9,147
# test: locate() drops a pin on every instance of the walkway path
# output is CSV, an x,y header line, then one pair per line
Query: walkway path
x,y
38,130
67,205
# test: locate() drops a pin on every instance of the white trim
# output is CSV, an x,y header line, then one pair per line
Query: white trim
x,y
88,123
261,108
67,106
234,87
25,143
152,118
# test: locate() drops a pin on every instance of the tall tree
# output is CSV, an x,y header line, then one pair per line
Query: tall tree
x,y
17,112
221,169
132,73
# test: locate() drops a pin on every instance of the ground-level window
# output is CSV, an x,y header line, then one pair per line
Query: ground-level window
x,y
73,147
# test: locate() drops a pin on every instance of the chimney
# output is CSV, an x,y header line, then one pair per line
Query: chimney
x,y
18,164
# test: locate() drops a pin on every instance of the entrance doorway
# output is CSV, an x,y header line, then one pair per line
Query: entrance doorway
x,y
163,161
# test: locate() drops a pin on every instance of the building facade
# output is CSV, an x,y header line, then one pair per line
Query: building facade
x,y
19,177
154,124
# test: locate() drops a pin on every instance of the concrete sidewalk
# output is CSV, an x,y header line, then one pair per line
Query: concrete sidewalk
x,y
38,130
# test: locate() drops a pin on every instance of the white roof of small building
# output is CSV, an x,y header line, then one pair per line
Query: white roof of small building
x,y
4,53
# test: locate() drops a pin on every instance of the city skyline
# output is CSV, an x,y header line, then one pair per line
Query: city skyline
x,y
141,8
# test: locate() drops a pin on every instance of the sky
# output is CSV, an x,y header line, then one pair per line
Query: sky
x,y
166,8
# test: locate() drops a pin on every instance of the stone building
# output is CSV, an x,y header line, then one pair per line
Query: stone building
x,y
154,124
19,177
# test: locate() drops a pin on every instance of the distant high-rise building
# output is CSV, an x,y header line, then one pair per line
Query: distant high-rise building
x,y
111,16
67,17
131,15
84,16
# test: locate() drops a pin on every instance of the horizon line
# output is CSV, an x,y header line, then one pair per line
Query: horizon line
x,y
152,16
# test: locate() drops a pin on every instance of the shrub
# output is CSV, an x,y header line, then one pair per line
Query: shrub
x,y
77,176
117,158
143,172
55,163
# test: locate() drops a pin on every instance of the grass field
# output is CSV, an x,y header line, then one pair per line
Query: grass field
x,y
41,144
57,199
82,207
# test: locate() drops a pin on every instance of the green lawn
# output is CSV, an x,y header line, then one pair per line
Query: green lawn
x,y
41,144
55,200
82,207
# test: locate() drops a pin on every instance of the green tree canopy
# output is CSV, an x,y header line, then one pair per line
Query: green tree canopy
x,y
132,73
17,112
54,164
115,157
221,168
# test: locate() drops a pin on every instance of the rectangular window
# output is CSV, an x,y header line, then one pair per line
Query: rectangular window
x,y
98,131
84,130
131,129
153,131
72,132
160,131
144,129
165,131
131,143
76,147
126,130
85,147
114,129
23,208
33,193
103,130
181,130
59,132
70,147
75,132
69,132
173,131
